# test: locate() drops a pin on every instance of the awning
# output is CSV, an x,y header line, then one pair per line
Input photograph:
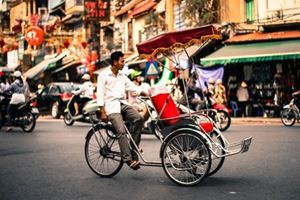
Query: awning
x,y
127,7
43,66
184,57
67,65
74,17
58,10
254,52
263,37
142,7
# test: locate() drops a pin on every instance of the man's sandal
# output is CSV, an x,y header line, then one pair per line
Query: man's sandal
x,y
133,164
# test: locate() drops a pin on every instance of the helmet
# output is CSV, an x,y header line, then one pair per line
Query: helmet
x,y
134,73
219,81
17,74
86,77
211,80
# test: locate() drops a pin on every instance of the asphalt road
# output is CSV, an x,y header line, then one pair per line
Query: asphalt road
x,y
49,164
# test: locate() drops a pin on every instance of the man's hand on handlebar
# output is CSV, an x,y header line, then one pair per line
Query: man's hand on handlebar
x,y
103,115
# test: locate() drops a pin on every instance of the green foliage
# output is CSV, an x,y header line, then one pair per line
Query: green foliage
x,y
201,12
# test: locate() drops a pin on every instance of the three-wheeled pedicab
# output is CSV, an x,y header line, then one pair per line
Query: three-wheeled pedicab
x,y
192,147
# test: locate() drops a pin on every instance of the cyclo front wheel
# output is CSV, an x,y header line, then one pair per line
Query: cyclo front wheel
x,y
186,159
102,151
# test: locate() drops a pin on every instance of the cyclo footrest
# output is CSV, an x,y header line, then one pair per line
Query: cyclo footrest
x,y
246,144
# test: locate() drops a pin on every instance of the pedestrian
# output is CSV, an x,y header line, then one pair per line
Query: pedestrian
x,y
211,86
242,95
112,87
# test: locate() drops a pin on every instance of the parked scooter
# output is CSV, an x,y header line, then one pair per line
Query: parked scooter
x,y
290,113
87,112
23,117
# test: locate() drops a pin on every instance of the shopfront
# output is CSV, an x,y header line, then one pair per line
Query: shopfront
x,y
271,70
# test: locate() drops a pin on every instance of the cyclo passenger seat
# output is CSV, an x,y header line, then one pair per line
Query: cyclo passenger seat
x,y
164,105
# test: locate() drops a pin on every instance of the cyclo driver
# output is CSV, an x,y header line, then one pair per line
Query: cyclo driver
x,y
111,98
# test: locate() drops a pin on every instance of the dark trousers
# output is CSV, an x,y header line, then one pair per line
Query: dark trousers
x,y
11,110
130,114
242,105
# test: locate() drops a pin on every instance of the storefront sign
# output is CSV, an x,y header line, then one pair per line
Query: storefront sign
x,y
21,48
12,59
97,10
34,35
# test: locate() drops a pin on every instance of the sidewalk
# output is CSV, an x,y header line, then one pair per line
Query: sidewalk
x,y
263,120
234,120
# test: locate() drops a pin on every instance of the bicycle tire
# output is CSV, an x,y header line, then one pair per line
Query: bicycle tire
x,y
288,117
102,144
193,161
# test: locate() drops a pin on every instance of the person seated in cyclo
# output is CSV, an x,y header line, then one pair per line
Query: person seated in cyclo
x,y
194,94
84,93
137,79
112,87
17,90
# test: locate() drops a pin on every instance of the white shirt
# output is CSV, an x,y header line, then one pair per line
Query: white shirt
x,y
242,94
86,90
111,90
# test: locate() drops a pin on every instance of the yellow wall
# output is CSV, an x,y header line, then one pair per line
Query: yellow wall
x,y
232,10
17,12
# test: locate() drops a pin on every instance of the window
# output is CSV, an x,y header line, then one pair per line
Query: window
x,y
249,10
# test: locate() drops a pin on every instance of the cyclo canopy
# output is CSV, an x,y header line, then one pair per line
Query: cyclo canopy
x,y
170,41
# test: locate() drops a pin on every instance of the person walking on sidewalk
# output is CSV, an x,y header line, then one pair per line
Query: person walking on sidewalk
x,y
112,87
242,95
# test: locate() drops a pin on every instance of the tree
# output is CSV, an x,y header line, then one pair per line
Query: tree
x,y
201,12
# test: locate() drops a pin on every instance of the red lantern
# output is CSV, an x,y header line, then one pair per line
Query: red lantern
x,y
15,45
2,43
34,35
66,43
5,48
84,44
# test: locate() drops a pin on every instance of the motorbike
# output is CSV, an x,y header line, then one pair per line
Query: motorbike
x,y
290,113
85,112
23,116
219,113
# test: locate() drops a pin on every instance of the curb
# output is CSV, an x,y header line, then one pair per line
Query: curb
x,y
234,120
263,120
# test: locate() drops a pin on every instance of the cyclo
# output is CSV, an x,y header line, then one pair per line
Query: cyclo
x,y
192,147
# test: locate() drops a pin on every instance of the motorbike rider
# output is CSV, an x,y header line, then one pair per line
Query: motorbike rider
x,y
220,92
112,87
297,98
17,90
84,94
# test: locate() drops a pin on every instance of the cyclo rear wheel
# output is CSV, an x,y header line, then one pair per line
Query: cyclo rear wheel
x,y
102,151
186,159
